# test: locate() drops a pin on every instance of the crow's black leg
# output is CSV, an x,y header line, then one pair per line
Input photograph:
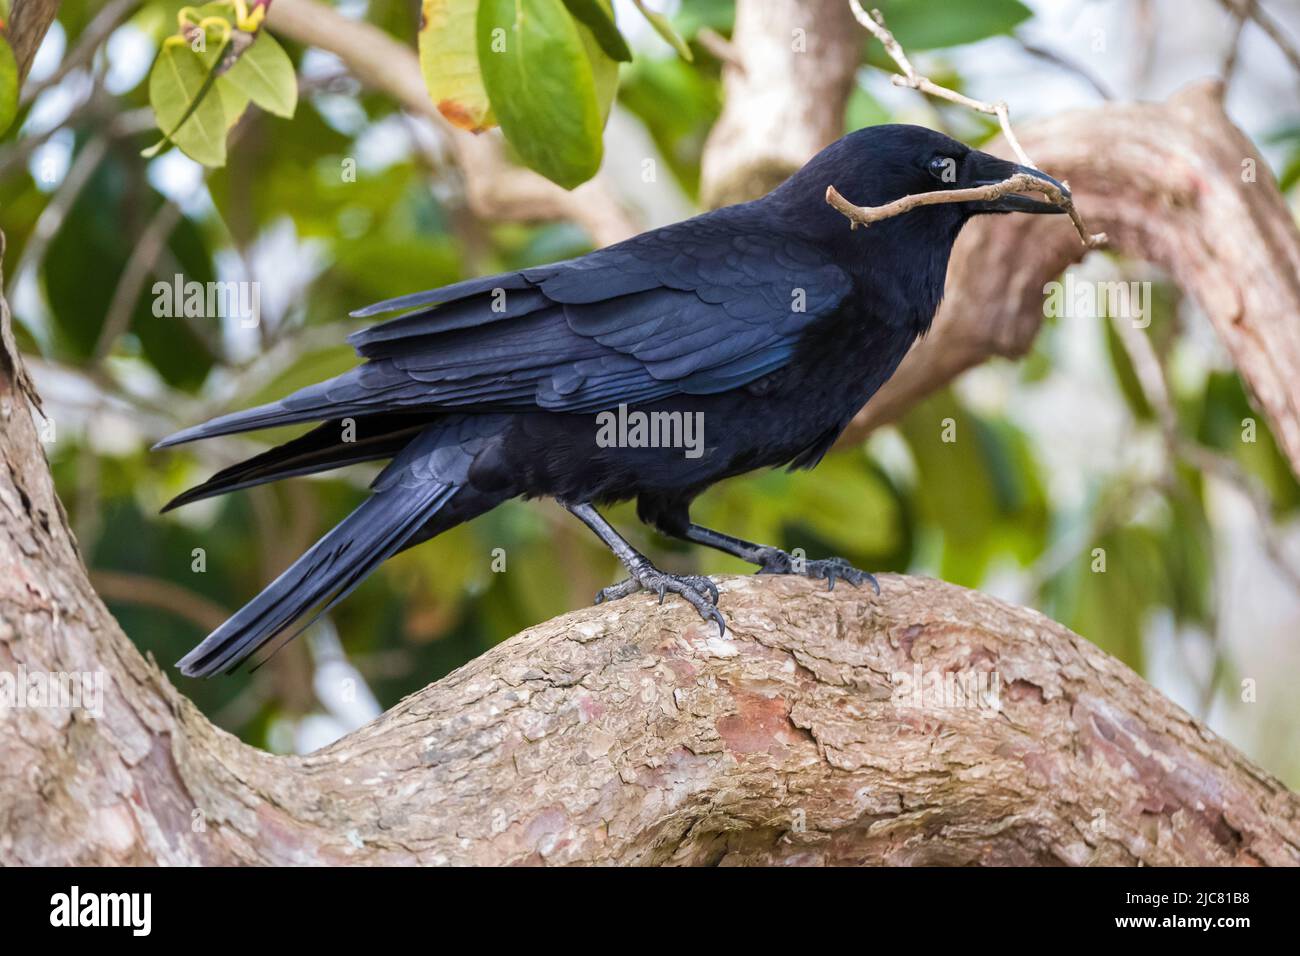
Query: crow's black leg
x,y
699,592
775,561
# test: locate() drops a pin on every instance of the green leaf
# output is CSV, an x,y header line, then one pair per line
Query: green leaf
x,y
931,24
691,18
1289,136
1227,421
233,100
598,17
1290,173
8,85
264,73
665,29
1110,607
170,345
540,80
1187,544
449,62
178,91
1125,375
978,484
604,68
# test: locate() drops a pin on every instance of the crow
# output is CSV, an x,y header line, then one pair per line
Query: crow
x,y
768,323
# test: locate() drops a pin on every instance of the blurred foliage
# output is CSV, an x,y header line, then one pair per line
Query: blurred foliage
x,y
8,83
342,205
918,25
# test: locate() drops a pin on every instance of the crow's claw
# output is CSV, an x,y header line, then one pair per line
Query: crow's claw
x,y
715,615
830,570
616,591
696,590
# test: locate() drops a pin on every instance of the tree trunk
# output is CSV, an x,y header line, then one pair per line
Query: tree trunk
x,y
785,92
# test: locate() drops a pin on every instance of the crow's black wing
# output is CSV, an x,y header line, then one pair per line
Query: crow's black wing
x,y
698,307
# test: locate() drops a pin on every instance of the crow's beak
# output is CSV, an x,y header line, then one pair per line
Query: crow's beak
x,y
997,170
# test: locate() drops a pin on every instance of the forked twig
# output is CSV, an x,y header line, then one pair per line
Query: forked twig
x,y
874,22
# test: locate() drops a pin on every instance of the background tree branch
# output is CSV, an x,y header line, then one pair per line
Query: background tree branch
x,y
28,21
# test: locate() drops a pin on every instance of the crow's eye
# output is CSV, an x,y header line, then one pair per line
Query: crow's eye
x,y
943,168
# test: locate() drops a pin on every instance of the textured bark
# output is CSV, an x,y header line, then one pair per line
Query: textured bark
x,y
1165,182
631,733
28,21
785,94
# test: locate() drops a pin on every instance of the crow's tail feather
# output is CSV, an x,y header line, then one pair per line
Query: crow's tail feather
x,y
323,576
321,449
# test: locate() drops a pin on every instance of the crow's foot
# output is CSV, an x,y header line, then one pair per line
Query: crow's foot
x,y
776,561
699,592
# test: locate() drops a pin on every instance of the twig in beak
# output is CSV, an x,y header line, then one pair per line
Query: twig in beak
x,y
1019,183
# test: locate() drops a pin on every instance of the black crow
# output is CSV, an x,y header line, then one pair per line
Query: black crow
x,y
743,338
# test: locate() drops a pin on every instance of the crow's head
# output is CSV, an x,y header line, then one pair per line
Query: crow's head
x,y
878,164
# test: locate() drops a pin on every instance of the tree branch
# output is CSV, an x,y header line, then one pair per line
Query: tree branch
x,y
1250,10
108,19
127,588
28,22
